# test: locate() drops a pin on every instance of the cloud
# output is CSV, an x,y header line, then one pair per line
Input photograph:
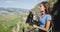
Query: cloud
x,y
5,0
35,0
10,2
19,3
39,0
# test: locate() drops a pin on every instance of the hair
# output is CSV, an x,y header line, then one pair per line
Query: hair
x,y
47,7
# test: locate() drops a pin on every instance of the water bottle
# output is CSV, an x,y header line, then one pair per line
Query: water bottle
x,y
34,16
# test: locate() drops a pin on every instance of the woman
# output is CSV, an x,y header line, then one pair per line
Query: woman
x,y
45,17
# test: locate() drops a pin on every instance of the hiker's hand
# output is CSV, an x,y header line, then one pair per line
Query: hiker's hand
x,y
28,31
35,26
37,20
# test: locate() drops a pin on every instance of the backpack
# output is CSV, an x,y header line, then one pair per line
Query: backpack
x,y
29,18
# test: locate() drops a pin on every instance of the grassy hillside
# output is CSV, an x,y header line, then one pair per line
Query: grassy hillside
x,y
10,19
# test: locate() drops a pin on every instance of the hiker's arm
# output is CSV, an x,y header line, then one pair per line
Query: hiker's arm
x,y
46,28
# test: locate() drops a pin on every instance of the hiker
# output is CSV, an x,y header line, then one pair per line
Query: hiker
x,y
45,17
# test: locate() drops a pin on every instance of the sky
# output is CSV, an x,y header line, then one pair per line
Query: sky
x,y
25,4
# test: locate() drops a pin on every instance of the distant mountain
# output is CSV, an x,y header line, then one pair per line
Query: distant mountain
x,y
7,11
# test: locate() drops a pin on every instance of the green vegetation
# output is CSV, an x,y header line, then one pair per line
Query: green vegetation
x,y
52,2
8,23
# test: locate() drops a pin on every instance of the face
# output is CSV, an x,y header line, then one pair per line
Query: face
x,y
41,8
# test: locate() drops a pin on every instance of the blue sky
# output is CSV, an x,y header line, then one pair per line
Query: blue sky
x,y
25,4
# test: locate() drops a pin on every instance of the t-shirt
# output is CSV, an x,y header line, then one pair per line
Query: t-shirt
x,y
42,20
